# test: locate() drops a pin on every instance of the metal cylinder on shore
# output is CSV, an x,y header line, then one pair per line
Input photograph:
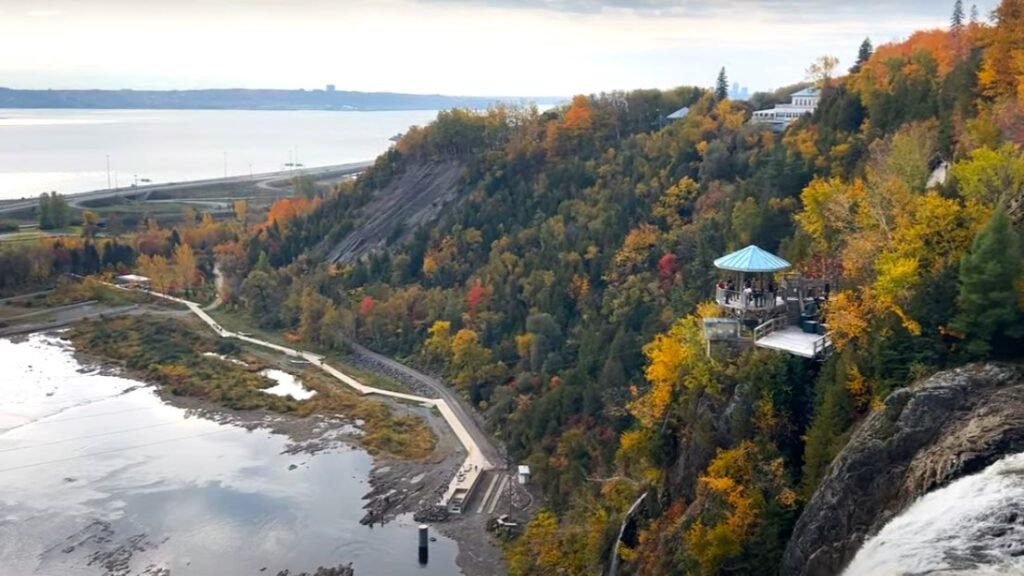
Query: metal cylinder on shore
x,y
424,540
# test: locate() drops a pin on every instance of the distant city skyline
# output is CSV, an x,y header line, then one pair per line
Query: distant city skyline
x,y
454,47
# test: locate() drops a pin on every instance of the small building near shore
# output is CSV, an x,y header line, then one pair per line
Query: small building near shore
x,y
523,474
132,281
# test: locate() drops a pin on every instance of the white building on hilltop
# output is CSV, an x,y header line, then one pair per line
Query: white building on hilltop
x,y
802,102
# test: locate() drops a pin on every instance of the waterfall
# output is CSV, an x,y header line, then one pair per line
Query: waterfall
x,y
973,526
613,562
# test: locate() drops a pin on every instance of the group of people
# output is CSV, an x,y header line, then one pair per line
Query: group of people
x,y
757,295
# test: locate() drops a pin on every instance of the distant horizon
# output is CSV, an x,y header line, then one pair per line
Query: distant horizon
x,y
318,89
441,47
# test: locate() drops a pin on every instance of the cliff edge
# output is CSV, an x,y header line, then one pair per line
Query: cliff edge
x,y
952,424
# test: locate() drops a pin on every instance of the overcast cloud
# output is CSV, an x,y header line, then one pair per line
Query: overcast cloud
x,y
472,47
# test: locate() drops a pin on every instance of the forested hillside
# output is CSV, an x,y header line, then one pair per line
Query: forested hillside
x,y
562,293
563,274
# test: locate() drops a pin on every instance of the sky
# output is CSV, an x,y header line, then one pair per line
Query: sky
x,y
457,47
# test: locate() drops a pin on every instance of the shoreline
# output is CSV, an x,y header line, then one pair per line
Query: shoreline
x,y
260,180
396,487
114,550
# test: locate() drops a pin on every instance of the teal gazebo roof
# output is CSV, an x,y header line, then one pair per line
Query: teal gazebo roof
x,y
751,259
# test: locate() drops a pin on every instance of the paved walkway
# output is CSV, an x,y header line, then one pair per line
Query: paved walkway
x,y
476,462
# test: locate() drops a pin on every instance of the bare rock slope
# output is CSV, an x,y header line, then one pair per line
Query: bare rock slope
x,y
953,424
416,196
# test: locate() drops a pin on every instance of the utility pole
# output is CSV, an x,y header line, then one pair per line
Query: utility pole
x,y
108,171
508,466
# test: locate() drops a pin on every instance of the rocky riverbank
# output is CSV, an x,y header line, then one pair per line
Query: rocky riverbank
x,y
952,424
371,364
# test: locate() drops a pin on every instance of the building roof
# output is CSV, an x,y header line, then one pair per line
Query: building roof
x,y
681,113
523,469
807,92
751,259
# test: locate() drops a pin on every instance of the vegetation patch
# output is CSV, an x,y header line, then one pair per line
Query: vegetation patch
x,y
170,354
71,291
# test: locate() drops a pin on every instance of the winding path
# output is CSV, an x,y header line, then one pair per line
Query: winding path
x,y
457,417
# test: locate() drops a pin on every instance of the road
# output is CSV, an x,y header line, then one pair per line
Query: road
x,y
261,180
488,448
479,450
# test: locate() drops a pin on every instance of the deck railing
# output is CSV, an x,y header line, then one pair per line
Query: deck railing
x,y
739,300
822,346
768,327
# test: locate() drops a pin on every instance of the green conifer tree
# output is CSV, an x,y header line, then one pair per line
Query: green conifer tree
x,y
956,22
722,85
863,55
988,311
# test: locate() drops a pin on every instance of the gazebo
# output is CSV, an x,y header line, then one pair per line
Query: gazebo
x,y
765,315
750,288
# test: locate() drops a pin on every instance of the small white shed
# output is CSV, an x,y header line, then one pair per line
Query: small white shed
x,y
524,474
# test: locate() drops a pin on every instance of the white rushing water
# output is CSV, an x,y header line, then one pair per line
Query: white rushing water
x,y
974,526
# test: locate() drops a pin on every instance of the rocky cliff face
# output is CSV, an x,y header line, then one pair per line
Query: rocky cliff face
x,y
952,424
415,197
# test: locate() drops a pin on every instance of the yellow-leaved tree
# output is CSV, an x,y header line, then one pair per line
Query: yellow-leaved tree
x,y
675,360
438,347
184,261
888,231
733,495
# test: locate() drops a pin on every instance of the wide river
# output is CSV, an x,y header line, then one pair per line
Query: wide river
x,y
99,477
67,150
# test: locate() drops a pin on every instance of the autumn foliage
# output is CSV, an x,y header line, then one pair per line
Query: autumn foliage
x,y
284,210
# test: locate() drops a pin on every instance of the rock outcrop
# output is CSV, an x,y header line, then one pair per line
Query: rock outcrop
x,y
416,196
952,424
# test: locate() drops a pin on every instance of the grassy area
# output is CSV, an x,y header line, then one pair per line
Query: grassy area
x,y
239,322
169,352
70,291
36,234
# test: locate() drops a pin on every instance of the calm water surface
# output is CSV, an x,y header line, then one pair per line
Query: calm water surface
x,y
98,476
66,150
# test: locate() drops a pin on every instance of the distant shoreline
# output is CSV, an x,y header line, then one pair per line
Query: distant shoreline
x,y
152,109
259,180
328,100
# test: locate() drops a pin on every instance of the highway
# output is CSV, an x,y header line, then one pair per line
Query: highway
x,y
264,181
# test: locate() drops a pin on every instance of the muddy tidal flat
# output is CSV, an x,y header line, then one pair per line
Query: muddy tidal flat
x,y
99,476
